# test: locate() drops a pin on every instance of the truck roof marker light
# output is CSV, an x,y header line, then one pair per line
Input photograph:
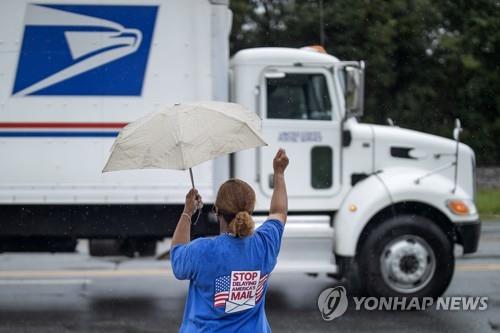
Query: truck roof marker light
x,y
459,207
353,208
314,48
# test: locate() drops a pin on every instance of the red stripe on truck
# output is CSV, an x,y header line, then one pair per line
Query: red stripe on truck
x,y
61,125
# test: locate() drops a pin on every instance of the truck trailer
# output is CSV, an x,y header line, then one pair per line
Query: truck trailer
x,y
382,204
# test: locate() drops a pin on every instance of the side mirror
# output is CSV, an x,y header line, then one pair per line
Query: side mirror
x,y
354,89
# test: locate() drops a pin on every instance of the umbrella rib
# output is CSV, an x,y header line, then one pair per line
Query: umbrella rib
x,y
183,161
254,132
139,126
243,122
234,116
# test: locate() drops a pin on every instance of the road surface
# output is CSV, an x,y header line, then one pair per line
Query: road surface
x,y
75,293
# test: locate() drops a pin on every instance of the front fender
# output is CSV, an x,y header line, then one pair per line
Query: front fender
x,y
361,203
434,190
383,189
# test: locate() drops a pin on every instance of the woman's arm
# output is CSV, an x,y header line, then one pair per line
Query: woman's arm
x,y
182,233
279,200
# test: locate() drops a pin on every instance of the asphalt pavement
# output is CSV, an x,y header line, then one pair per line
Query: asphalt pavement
x,y
76,293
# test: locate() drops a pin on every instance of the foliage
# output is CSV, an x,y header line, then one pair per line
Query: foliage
x,y
428,61
488,203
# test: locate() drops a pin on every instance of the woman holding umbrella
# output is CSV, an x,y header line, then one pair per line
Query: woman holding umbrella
x,y
229,273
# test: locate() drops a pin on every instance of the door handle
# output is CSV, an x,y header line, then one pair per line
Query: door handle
x,y
271,180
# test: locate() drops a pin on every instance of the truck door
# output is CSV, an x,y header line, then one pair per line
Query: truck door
x,y
299,114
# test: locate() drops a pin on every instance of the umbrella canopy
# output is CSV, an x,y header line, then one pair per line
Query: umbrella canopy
x,y
184,135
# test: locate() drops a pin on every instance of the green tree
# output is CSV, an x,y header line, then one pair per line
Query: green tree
x,y
428,62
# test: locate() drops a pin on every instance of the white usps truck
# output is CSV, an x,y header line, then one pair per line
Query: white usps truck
x,y
382,203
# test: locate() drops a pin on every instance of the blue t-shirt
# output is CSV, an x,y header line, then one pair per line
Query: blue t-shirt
x,y
228,279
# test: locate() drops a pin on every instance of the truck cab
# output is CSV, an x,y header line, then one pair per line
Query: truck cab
x,y
350,182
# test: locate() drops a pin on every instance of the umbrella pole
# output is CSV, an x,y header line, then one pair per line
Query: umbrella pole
x,y
191,175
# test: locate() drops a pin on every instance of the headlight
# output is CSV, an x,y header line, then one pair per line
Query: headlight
x,y
461,207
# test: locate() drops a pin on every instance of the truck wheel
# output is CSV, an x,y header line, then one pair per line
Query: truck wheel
x,y
353,282
406,256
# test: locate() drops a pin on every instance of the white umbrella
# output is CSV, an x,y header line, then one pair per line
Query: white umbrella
x,y
184,135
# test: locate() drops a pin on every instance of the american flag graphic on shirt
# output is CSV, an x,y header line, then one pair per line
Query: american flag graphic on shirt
x,y
260,287
223,286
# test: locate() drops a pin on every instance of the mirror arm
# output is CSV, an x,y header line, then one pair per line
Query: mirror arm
x,y
457,130
362,88
433,171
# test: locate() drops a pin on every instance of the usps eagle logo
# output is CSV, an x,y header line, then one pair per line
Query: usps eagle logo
x,y
77,50
239,291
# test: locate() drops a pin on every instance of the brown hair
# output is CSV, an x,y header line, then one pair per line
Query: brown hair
x,y
235,202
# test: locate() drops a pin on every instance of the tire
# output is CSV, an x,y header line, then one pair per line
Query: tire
x,y
353,281
406,255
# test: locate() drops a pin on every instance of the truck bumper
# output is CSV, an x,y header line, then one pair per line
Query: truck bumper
x,y
468,235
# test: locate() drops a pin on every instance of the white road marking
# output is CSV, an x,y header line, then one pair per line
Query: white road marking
x,y
84,275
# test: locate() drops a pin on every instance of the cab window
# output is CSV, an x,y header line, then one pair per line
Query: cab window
x,y
299,96
321,167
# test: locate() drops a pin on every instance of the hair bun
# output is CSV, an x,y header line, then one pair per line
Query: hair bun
x,y
242,225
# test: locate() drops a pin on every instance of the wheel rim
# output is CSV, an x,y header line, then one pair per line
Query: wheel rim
x,y
408,264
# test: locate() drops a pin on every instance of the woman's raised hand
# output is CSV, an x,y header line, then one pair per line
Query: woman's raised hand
x,y
279,200
280,161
